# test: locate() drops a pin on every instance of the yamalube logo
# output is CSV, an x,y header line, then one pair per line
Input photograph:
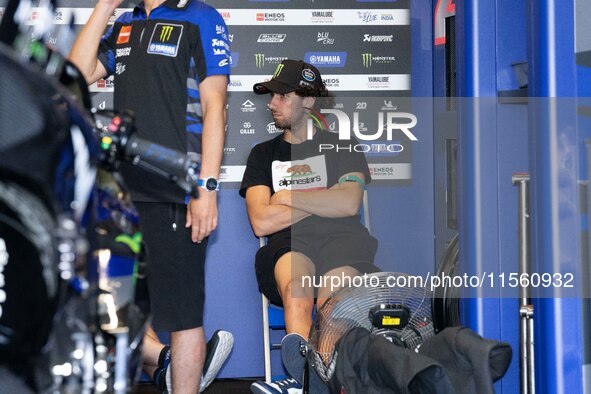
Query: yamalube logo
x,y
388,122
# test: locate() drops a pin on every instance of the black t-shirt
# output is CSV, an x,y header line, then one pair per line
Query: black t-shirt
x,y
158,64
315,164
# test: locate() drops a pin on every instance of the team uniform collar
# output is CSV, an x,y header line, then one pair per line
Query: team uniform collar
x,y
177,4
174,4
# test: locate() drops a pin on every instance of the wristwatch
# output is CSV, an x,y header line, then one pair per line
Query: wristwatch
x,y
210,184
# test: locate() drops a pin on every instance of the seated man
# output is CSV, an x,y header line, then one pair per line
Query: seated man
x,y
306,201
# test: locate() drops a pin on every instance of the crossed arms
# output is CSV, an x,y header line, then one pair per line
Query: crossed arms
x,y
270,213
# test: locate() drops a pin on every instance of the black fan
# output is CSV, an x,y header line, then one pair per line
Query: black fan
x,y
401,314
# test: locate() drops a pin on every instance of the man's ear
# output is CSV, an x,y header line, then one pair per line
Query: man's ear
x,y
308,102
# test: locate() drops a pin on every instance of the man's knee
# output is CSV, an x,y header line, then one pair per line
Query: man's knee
x,y
292,273
294,288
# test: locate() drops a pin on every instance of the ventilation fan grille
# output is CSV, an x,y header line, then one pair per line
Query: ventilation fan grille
x,y
350,307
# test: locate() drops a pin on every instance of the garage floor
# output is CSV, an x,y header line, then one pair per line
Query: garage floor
x,y
219,386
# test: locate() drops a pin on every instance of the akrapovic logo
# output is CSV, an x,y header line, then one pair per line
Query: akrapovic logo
x,y
271,38
375,38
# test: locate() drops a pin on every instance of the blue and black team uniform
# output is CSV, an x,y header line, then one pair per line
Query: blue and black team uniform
x,y
158,63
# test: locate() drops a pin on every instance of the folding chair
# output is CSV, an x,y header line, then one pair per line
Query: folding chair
x,y
273,315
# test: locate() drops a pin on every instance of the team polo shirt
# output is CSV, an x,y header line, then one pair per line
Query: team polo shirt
x,y
158,63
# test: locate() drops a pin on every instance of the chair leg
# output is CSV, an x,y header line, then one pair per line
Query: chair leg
x,y
266,338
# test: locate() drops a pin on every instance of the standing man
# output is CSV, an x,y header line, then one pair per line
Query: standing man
x,y
171,61
305,198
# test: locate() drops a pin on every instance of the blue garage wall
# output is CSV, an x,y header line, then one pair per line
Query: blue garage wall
x,y
513,157
402,216
497,140
493,143
232,298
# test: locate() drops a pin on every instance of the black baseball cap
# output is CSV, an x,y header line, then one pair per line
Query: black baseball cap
x,y
288,76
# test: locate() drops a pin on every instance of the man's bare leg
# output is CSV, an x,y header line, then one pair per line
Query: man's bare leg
x,y
340,272
187,357
298,302
152,347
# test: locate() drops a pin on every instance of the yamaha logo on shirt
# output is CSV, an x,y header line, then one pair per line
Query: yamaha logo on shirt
x,y
165,39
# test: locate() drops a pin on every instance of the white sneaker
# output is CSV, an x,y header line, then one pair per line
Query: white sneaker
x,y
218,349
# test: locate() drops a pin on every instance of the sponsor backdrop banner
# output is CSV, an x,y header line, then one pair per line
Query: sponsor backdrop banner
x,y
361,47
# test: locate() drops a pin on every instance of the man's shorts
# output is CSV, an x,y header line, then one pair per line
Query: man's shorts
x,y
175,267
329,247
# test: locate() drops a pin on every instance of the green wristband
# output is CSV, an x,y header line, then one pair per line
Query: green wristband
x,y
352,178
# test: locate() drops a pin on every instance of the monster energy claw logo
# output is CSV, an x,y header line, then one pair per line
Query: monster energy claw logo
x,y
278,70
165,33
366,60
259,59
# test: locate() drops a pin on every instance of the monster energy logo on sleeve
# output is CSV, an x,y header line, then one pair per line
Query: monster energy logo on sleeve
x,y
278,70
165,33
259,59
366,60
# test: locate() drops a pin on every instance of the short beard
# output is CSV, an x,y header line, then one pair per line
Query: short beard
x,y
282,125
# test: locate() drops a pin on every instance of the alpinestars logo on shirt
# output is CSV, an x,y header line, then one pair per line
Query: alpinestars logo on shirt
x,y
300,174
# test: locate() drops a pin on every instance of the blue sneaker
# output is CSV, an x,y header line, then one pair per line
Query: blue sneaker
x,y
285,386
292,355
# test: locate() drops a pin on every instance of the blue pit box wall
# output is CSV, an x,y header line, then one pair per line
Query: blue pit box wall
x,y
496,141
